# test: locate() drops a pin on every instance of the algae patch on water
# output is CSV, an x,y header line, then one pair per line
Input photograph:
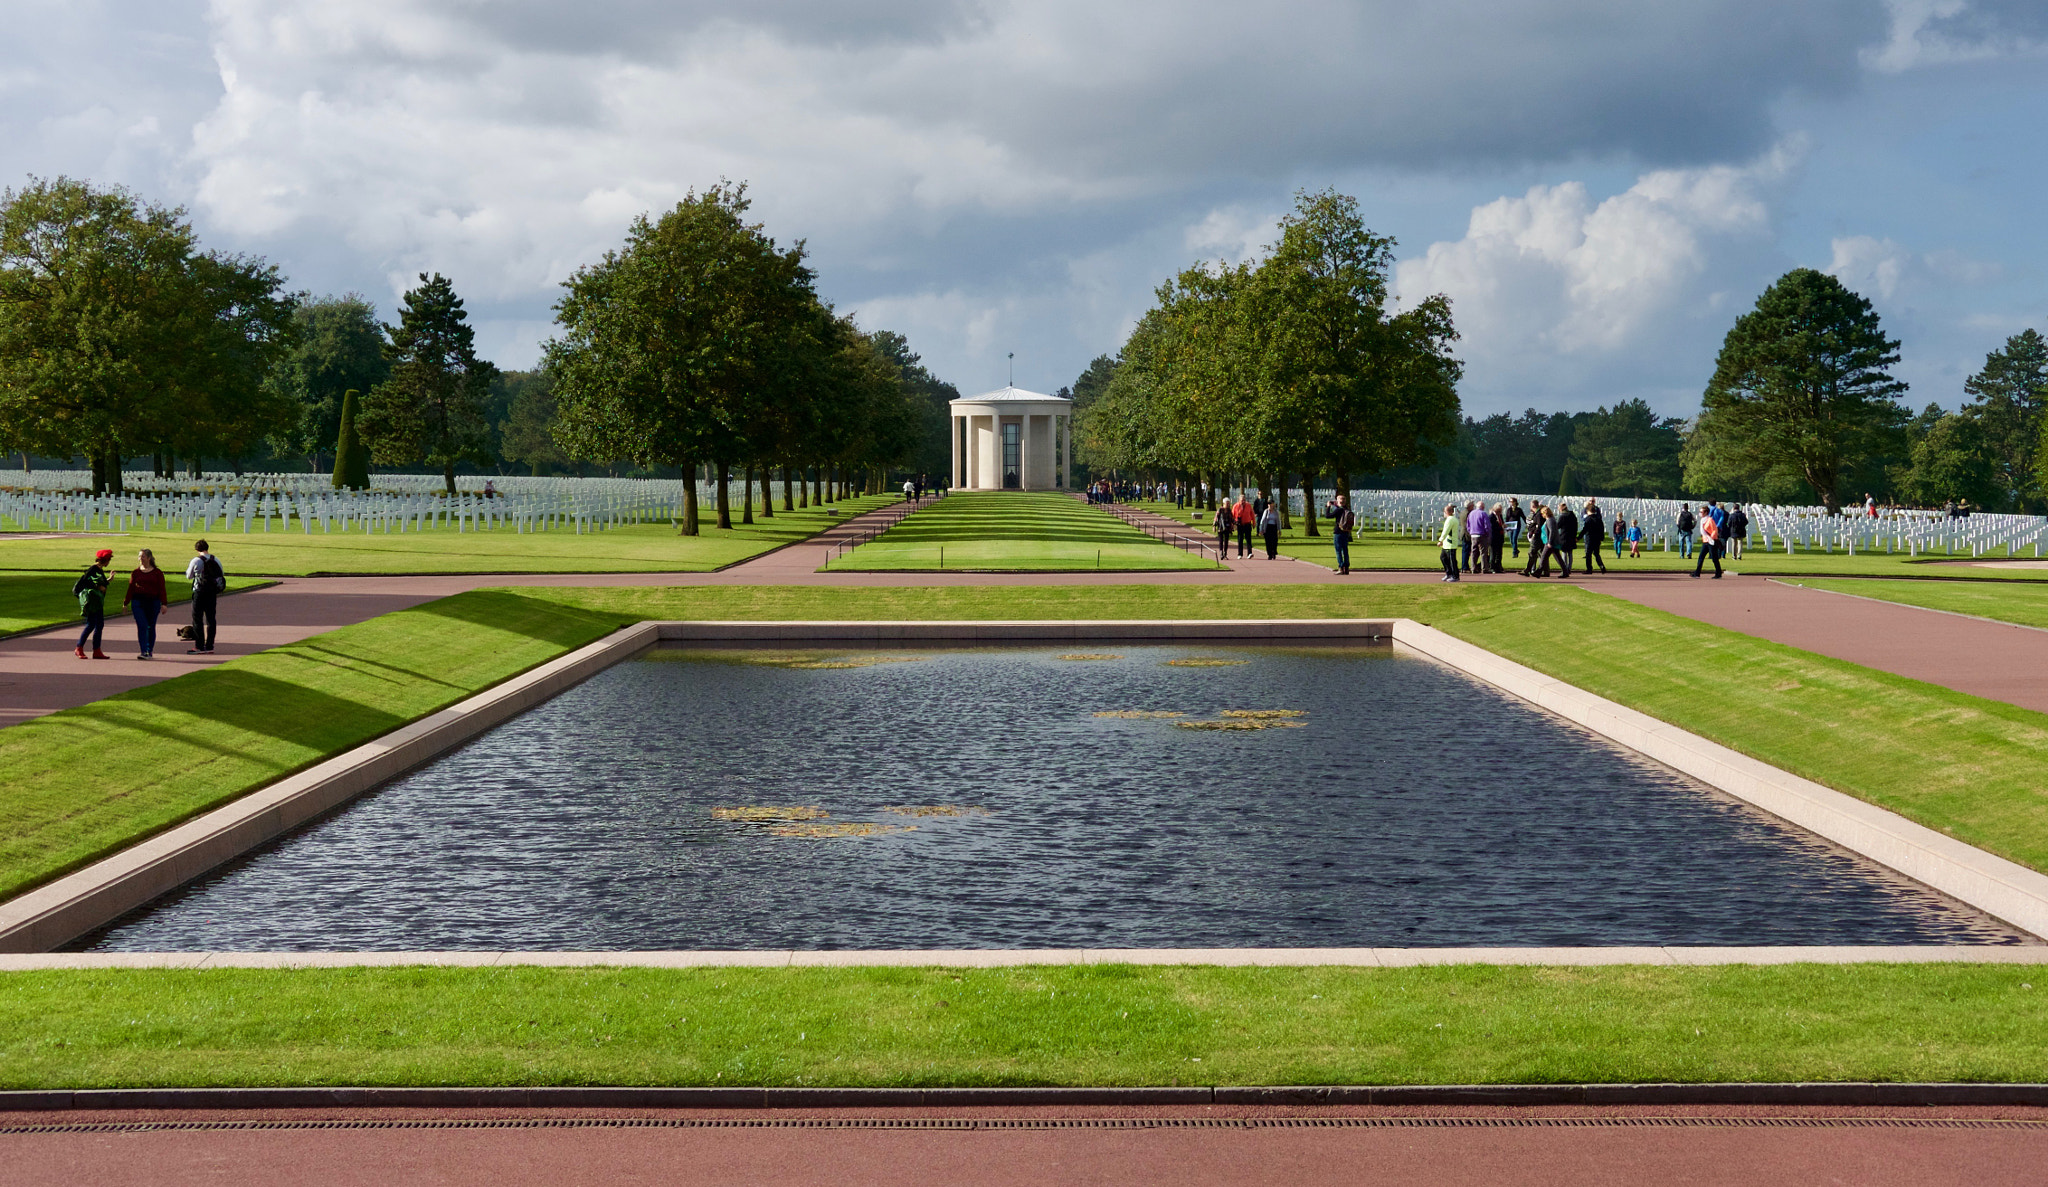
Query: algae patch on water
x,y
813,664
1088,655
1140,713
935,810
1262,714
762,813
1205,662
851,829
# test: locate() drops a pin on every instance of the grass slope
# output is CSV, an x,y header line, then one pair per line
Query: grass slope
x,y
84,782
1014,530
2026,605
1384,550
634,548
1092,1025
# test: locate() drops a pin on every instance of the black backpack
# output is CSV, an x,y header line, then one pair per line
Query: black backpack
x,y
212,574
1685,521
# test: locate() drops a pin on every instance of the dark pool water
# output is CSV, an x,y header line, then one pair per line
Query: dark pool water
x,y
1412,806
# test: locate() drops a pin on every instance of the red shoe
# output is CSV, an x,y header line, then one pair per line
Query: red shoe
x,y
98,654
79,651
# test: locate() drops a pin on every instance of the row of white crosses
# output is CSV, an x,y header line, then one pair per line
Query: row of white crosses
x,y
278,503
1789,529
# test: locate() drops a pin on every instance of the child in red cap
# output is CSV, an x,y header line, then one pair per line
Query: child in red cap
x,y
91,592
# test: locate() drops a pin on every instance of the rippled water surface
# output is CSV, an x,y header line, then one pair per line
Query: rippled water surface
x,y
1411,806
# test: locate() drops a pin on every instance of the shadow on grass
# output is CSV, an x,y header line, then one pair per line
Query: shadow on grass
x,y
240,699
533,618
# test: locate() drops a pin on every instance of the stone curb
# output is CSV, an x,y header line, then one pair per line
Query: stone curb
x,y
2001,888
1407,1095
1125,630
968,958
59,911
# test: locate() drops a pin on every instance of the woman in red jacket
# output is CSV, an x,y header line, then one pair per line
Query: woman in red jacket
x,y
146,598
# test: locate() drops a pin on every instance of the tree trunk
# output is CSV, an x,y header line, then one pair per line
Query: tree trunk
x,y
767,491
788,491
1308,505
1286,517
747,494
99,471
447,477
689,498
724,497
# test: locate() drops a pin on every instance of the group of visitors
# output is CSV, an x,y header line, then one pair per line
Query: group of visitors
x,y
146,598
1478,538
913,490
1241,517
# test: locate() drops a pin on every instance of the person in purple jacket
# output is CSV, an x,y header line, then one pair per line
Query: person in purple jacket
x,y
1479,525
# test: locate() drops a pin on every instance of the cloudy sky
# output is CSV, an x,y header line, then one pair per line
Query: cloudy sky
x,y
1600,186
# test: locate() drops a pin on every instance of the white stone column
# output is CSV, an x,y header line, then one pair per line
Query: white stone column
x,y
1027,450
1066,433
955,441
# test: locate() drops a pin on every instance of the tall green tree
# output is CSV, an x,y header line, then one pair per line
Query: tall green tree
x,y
340,346
667,344
1627,450
119,336
1803,383
930,396
2008,398
1950,461
526,434
432,408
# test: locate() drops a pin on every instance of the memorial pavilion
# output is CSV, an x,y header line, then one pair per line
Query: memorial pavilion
x,y
1011,439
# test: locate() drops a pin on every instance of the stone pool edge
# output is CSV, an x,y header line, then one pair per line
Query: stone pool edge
x,y
33,923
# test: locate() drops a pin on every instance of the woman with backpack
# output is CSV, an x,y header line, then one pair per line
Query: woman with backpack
x,y
91,592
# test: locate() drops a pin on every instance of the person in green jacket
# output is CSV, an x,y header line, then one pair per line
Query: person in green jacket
x,y
1447,541
91,592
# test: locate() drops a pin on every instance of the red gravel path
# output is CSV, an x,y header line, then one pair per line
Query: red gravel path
x,y
1515,1152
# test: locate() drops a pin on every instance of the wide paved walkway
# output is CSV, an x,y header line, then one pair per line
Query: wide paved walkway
x,y
1440,1147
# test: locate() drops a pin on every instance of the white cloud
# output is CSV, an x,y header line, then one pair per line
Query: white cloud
x,y
1883,268
1552,287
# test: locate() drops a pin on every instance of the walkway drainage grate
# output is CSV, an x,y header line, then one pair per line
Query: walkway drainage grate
x,y
1023,1123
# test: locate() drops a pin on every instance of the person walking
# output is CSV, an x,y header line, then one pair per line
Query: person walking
x,y
1514,518
1565,539
91,591
1710,544
1465,538
1738,530
1496,532
204,572
1447,541
1685,526
1245,517
1541,527
1225,523
1535,527
146,598
1635,539
1593,530
1620,533
1269,527
1342,524
1478,524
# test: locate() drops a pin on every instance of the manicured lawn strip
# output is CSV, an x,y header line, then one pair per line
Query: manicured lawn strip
x,y
1954,762
634,548
84,782
1014,530
2026,605
1385,550
1049,1025
31,601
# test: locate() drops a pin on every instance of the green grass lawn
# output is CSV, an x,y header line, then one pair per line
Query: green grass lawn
x,y
1385,550
633,548
2026,605
1014,530
1048,1025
